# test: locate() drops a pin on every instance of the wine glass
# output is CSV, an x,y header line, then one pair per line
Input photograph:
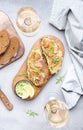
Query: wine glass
x,y
55,111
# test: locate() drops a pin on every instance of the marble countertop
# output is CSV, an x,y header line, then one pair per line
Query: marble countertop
x,y
17,119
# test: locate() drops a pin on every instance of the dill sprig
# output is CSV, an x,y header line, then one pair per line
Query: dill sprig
x,y
59,80
31,113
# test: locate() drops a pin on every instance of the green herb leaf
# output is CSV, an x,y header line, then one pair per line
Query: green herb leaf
x,y
26,75
59,80
50,48
31,113
36,69
55,59
51,67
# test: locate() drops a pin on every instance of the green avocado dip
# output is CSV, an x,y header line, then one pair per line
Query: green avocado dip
x,y
24,89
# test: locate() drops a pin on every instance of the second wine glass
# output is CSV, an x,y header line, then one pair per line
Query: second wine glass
x,y
56,111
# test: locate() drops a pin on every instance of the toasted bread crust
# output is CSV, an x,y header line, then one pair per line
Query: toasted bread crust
x,y
11,51
4,41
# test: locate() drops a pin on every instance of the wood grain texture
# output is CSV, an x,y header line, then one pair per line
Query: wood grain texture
x,y
23,70
6,24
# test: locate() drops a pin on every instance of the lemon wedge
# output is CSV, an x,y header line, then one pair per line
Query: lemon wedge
x,y
28,91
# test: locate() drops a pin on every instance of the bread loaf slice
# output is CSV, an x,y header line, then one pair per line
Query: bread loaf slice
x,y
11,51
4,41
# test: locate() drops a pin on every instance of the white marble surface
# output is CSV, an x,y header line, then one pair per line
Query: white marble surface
x,y
17,119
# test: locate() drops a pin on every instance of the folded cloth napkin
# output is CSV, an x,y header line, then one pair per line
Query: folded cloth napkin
x,y
67,15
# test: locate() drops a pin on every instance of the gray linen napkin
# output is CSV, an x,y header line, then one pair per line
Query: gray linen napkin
x,y
68,15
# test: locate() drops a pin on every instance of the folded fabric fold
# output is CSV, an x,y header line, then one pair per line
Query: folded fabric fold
x,y
67,15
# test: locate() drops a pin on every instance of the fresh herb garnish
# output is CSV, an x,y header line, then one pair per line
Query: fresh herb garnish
x,y
59,80
55,59
31,113
51,67
36,69
26,75
51,48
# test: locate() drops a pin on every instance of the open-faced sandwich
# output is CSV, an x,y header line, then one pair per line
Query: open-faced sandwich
x,y
43,61
53,51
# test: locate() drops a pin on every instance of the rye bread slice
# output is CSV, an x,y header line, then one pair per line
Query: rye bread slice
x,y
11,51
4,41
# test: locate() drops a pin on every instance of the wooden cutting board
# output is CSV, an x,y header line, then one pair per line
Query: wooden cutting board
x,y
24,69
6,24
